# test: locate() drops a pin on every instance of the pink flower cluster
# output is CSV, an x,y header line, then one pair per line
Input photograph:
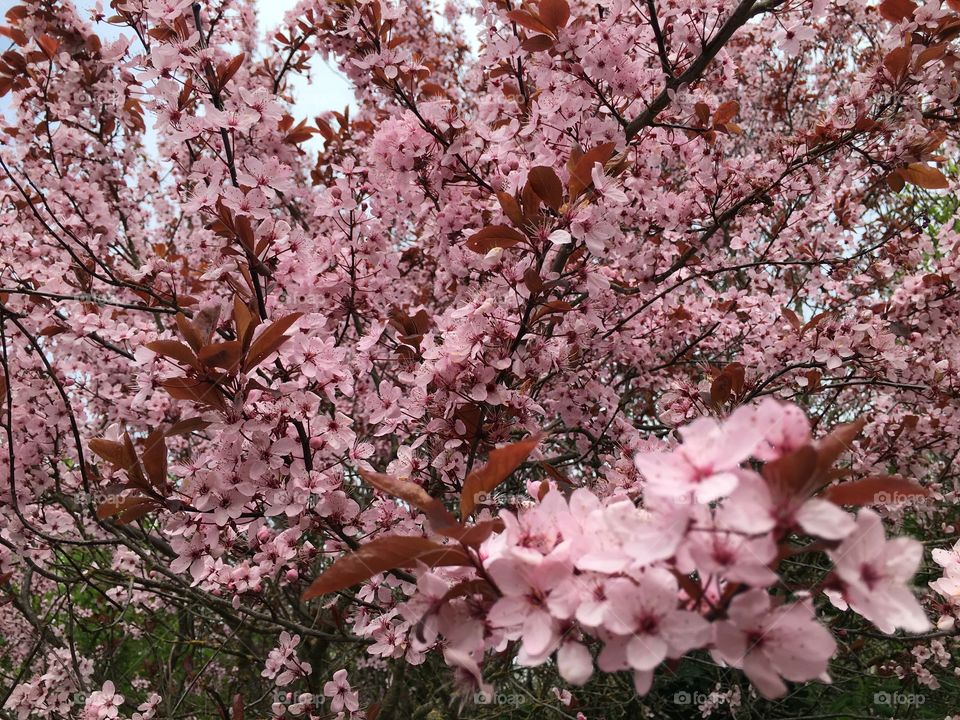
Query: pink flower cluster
x,y
103,704
689,561
948,585
539,231
283,666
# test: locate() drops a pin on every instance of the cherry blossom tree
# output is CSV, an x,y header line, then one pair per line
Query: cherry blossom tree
x,y
601,360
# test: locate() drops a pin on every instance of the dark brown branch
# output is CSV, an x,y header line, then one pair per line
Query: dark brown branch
x,y
743,12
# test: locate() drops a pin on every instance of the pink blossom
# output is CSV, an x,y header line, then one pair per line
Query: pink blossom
x,y
340,693
791,38
646,611
707,461
874,573
605,188
949,584
104,703
523,607
771,643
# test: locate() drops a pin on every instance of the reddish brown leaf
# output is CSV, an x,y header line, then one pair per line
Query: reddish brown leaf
x,y
132,514
738,376
49,46
500,465
551,307
830,448
702,111
726,112
554,13
432,89
15,60
93,44
198,332
472,535
537,43
154,458
897,62
792,318
720,389
557,476
897,10
410,329
16,34
531,202
547,186
135,474
121,505
934,52
224,355
793,474
269,341
325,129
492,236
244,321
412,493
875,490
244,233
185,427
816,320
198,391
301,133
229,69
382,554
925,176
529,21
441,556
895,181
504,68
173,349
533,281
948,28
510,207
113,452
728,383
581,173
731,128
690,586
